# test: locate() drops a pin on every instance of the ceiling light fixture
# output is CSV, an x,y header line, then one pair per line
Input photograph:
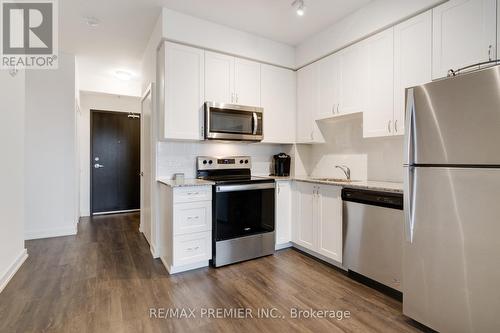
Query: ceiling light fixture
x,y
123,75
92,21
299,6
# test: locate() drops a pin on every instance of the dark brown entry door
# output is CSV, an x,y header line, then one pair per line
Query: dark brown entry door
x,y
115,162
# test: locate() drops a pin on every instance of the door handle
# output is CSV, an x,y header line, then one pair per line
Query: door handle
x,y
98,166
409,140
396,125
408,202
389,126
255,123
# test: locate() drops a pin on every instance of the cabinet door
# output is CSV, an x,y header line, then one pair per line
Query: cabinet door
x,y
353,63
464,33
329,90
283,212
247,82
412,61
329,221
184,93
278,91
307,105
378,117
219,78
304,224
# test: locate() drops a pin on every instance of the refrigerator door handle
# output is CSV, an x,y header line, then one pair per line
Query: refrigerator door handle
x,y
409,139
408,202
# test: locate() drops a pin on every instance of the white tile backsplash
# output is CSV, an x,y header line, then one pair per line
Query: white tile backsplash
x,y
369,159
174,157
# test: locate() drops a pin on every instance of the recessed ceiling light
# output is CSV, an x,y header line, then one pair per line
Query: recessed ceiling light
x,y
92,21
299,6
123,75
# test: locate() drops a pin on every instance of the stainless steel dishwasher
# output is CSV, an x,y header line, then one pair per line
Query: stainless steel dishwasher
x,y
373,235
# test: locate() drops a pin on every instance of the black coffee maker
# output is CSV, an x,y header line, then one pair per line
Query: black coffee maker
x,y
281,165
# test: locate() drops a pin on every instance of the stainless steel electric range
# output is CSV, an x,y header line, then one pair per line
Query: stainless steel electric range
x,y
242,209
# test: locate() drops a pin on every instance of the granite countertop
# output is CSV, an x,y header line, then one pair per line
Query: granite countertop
x,y
185,182
362,184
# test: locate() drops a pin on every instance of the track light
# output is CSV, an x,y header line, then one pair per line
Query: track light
x,y
299,6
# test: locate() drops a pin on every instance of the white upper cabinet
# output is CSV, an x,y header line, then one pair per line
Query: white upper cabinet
x,y
278,93
231,80
247,82
183,79
352,85
378,116
307,105
329,87
412,61
342,82
464,33
219,78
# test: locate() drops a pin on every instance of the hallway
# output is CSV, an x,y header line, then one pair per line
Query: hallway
x,y
104,280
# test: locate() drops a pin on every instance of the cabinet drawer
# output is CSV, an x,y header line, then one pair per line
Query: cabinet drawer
x,y
192,217
192,248
190,194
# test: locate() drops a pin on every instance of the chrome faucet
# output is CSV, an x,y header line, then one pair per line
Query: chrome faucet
x,y
346,170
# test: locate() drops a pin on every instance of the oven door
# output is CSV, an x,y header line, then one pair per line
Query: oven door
x,y
233,122
243,210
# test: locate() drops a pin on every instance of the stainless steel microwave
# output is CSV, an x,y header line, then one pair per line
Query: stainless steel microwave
x,y
233,122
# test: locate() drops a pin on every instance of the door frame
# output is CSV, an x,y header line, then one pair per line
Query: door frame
x,y
148,92
91,159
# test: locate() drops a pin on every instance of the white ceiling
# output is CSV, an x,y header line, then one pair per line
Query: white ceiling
x,y
125,25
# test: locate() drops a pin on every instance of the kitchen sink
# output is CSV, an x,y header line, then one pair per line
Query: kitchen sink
x,y
337,180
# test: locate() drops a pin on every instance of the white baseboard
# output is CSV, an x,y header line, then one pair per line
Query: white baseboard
x,y
49,233
282,246
319,256
14,267
154,252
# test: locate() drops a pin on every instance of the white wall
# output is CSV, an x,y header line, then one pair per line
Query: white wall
x,y
373,158
12,129
188,29
176,157
96,101
374,17
51,161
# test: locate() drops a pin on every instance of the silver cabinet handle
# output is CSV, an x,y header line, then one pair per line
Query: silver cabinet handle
x,y
333,109
232,97
192,248
98,166
389,126
193,193
236,97
396,125
193,217
338,106
490,49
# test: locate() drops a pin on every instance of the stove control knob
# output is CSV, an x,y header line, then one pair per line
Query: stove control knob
x,y
246,161
241,161
210,162
205,162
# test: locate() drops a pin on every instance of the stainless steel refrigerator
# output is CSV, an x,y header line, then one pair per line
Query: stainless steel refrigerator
x,y
451,267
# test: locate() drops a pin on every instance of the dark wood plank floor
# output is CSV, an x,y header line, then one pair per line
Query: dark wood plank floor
x,y
104,280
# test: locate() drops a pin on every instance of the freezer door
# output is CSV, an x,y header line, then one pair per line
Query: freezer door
x,y
451,265
455,121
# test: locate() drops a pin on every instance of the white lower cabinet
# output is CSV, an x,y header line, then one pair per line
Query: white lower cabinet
x,y
283,225
317,219
186,227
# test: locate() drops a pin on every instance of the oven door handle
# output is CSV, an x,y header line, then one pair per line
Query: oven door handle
x,y
244,187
